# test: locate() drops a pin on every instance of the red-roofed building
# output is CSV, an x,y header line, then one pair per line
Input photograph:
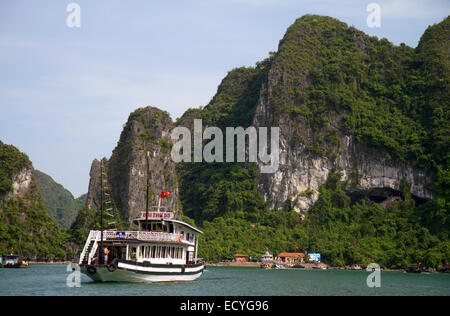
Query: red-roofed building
x,y
240,257
291,257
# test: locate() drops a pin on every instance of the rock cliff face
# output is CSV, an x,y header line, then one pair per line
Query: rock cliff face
x,y
16,173
22,183
306,96
146,131
369,173
344,101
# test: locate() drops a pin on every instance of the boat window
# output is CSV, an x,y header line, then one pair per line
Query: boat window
x,y
171,228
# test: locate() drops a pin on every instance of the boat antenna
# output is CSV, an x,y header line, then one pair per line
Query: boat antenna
x,y
146,202
100,257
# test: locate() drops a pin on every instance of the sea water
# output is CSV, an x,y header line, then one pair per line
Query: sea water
x,y
228,281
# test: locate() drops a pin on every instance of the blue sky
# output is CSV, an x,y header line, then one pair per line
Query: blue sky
x,y
65,93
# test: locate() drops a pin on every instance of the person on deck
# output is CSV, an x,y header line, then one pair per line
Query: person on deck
x,y
106,252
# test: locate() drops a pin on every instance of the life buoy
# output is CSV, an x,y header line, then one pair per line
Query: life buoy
x,y
113,265
91,270
180,238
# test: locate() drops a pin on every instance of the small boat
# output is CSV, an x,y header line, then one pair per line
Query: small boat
x,y
413,269
355,266
319,266
298,266
267,260
266,265
12,261
279,266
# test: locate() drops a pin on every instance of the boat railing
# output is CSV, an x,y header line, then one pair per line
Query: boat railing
x,y
140,235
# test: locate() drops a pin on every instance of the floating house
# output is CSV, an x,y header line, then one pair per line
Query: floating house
x,y
291,257
240,257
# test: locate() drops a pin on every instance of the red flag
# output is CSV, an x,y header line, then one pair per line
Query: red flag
x,y
164,194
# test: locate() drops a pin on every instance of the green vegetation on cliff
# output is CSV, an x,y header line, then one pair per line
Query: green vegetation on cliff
x,y
344,232
336,81
364,232
24,222
89,219
386,96
12,161
60,203
26,226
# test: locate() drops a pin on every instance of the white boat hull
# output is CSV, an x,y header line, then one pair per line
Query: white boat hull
x,y
130,272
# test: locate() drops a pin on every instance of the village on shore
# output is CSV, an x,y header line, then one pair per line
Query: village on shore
x,y
283,260
299,260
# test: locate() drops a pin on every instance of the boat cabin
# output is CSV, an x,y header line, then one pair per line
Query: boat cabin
x,y
177,245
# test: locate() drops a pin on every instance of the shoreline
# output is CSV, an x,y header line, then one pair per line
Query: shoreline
x,y
308,266
50,262
248,264
233,264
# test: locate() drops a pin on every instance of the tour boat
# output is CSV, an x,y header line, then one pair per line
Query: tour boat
x,y
166,252
163,249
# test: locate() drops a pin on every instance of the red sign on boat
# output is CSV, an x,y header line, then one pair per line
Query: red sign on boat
x,y
158,215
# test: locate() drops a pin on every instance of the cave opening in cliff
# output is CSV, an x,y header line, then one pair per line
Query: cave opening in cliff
x,y
383,196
